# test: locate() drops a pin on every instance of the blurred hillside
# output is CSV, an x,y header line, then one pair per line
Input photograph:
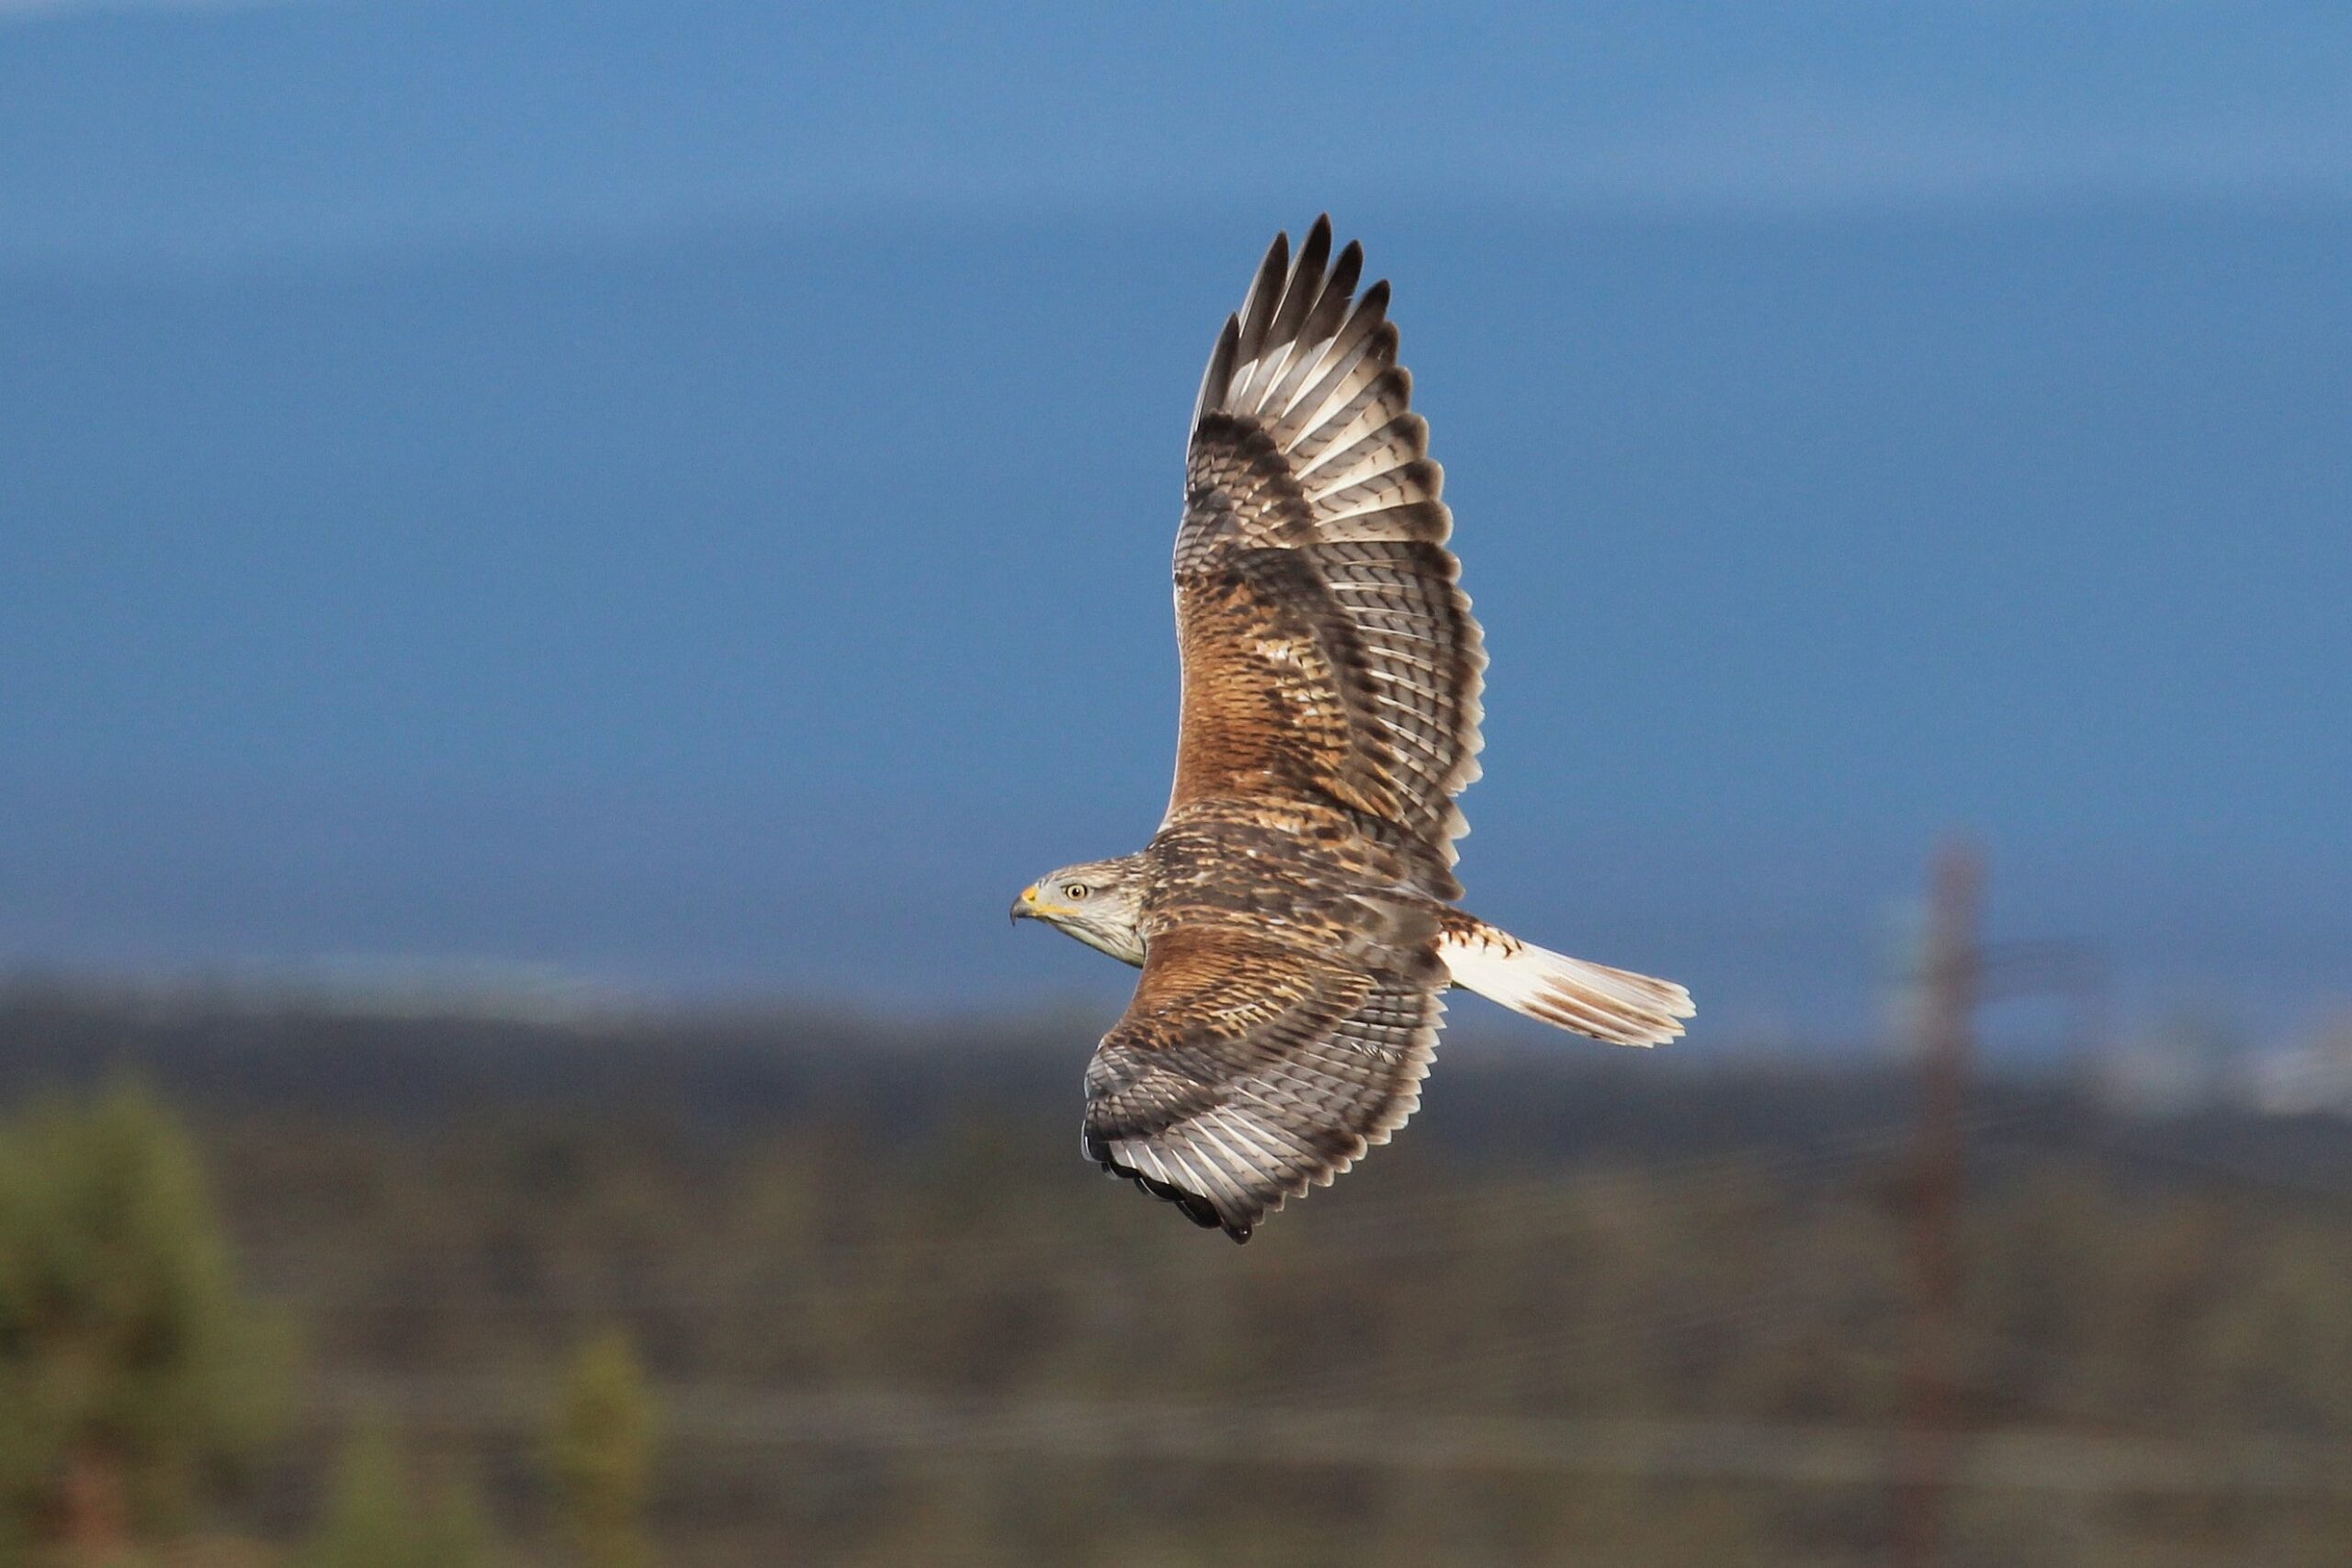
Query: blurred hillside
x,y
1594,1306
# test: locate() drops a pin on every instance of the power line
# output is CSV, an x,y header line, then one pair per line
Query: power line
x,y
1376,1439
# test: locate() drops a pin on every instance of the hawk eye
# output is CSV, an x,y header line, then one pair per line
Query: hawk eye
x,y
1074,891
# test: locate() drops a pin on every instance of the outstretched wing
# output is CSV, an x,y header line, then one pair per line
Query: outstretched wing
x,y
1330,655
1247,1069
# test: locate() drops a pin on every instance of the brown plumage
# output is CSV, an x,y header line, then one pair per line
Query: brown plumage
x,y
1293,914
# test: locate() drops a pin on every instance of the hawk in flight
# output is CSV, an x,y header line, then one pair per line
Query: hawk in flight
x,y
1294,917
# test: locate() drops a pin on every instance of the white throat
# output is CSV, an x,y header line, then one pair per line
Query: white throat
x,y
1126,946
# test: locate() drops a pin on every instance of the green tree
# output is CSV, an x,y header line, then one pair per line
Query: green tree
x,y
377,1517
132,1371
600,1455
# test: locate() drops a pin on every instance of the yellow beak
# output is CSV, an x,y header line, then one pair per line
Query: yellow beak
x,y
1029,907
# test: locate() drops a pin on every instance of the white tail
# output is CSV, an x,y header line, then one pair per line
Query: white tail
x,y
1615,1005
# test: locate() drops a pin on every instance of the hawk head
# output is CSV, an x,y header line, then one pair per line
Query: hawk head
x,y
1100,902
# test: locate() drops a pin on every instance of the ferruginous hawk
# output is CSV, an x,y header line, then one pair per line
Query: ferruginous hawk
x,y
1295,915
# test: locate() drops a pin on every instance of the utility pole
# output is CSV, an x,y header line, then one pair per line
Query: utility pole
x,y
1947,990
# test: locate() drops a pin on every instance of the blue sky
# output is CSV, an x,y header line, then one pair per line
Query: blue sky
x,y
226,131
681,495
